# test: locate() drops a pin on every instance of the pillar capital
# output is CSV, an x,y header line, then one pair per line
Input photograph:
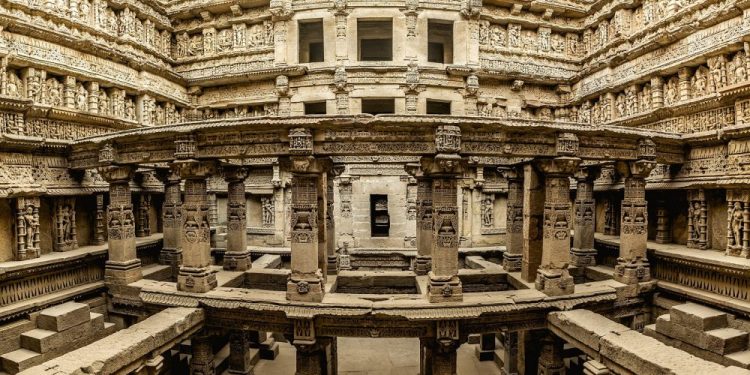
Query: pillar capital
x,y
635,169
235,173
195,169
308,164
443,164
117,173
587,174
560,166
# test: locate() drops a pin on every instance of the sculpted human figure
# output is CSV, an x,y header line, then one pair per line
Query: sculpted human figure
x,y
67,228
695,214
487,212
736,224
32,223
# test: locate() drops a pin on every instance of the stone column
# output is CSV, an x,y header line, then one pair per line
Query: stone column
x,y
143,226
444,348
512,258
315,355
510,352
323,224
306,280
551,356
171,212
202,361
239,353
237,257
195,274
123,266
553,277
331,257
424,221
533,212
101,224
582,253
663,225
657,92
632,265
444,282
426,345
684,75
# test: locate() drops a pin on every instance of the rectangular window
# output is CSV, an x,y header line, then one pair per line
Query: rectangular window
x,y
311,44
380,221
315,108
440,42
437,107
378,106
375,40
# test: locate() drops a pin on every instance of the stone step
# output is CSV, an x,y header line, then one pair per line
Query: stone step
x,y
21,359
720,341
63,316
730,340
742,358
269,349
698,317
43,340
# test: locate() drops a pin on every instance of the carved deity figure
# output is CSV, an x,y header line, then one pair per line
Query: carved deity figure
x,y
487,217
268,210
31,222
695,215
717,68
736,224
739,68
67,225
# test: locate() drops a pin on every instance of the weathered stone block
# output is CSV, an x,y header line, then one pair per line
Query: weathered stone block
x,y
43,341
719,341
61,317
698,317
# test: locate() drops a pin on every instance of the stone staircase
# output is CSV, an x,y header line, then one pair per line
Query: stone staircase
x,y
59,329
704,332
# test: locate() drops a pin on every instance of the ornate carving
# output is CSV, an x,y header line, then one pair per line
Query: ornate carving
x,y
300,141
27,228
65,224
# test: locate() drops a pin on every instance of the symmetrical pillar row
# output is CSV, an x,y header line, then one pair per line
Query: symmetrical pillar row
x,y
195,274
512,258
553,277
123,266
306,279
237,256
632,265
171,253
583,253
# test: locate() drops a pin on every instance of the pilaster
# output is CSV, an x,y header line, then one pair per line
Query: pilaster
x,y
202,361
583,253
171,253
424,219
240,361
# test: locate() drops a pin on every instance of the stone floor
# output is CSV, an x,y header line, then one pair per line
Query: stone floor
x,y
362,356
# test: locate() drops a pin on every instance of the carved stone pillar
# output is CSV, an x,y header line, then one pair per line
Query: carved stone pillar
x,y
93,98
582,253
101,223
533,214
65,224
657,92
512,258
444,348
237,256
663,225
69,92
424,221
552,276
306,280
315,355
239,353
143,226
510,352
202,361
551,356
213,209
697,220
684,75
123,266
27,228
331,256
171,253
195,274
323,220
738,222
444,170
632,264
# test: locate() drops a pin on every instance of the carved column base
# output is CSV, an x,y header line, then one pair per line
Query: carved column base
x,y
202,361
512,262
582,257
423,264
27,254
196,280
237,261
633,271
305,290
554,282
443,289
344,262
122,273
333,264
172,258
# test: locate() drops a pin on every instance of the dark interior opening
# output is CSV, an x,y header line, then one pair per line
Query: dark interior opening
x,y
315,108
375,40
378,106
380,221
311,44
440,42
437,107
